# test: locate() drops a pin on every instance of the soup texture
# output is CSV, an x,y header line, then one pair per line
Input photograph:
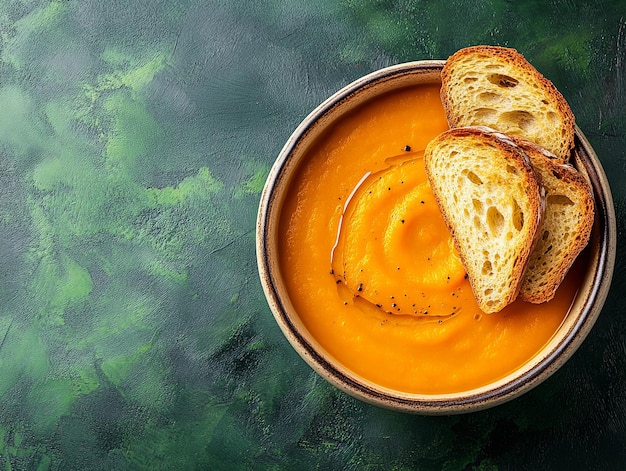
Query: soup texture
x,y
372,271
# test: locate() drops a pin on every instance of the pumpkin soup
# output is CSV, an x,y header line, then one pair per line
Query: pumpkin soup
x,y
372,270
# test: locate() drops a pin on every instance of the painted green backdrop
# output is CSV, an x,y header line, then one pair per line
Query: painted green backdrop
x,y
135,138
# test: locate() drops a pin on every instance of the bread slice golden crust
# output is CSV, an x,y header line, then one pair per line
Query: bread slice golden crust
x,y
492,203
497,87
566,227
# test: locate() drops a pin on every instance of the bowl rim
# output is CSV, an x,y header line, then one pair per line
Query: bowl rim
x,y
465,401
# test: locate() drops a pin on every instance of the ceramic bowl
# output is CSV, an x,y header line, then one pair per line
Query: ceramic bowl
x,y
576,326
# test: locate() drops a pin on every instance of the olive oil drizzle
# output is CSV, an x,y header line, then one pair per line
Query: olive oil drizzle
x,y
356,291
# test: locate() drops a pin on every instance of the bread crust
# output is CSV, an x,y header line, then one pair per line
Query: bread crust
x,y
526,187
553,123
566,229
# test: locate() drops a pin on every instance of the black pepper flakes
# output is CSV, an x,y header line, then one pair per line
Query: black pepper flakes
x,y
360,287
407,148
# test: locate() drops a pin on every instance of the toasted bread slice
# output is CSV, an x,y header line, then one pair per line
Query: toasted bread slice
x,y
492,203
566,227
497,87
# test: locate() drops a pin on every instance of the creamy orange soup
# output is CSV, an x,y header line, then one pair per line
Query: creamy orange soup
x,y
371,268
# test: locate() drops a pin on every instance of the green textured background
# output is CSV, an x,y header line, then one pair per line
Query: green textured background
x,y
135,138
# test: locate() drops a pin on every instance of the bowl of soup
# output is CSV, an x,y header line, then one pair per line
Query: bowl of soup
x,y
361,274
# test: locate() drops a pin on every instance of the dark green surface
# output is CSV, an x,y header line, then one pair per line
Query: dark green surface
x,y
135,138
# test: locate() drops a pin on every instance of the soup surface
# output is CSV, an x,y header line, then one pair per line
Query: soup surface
x,y
371,268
